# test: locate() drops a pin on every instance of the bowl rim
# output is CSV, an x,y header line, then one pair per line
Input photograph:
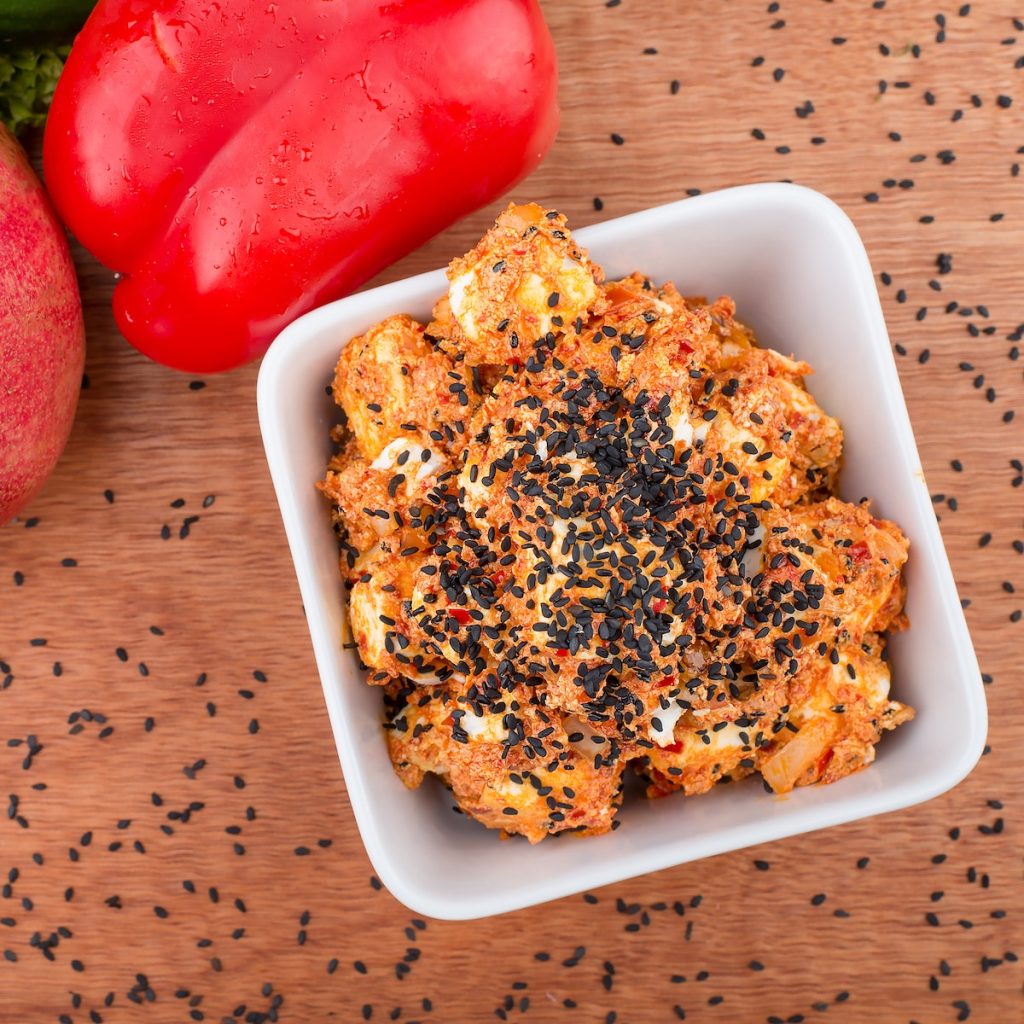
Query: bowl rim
x,y
600,872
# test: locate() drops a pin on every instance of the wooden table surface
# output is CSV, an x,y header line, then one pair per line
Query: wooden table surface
x,y
188,843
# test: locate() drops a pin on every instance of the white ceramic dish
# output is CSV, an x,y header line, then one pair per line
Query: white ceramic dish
x,y
800,276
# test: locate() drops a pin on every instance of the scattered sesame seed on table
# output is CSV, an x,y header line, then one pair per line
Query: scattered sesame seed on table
x,y
177,844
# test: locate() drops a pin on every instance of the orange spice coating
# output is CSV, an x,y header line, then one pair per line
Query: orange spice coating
x,y
589,526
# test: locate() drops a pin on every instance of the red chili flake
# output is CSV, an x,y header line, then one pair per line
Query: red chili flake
x,y
658,604
824,760
562,652
860,553
667,681
685,347
674,748
460,615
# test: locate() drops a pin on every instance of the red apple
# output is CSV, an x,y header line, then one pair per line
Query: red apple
x,y
42,337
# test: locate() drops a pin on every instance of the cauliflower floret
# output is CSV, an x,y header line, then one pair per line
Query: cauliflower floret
x,y
402,487
695,758
762,394
836,564
378,607
839,708
638,341
509,762
391,380
525,279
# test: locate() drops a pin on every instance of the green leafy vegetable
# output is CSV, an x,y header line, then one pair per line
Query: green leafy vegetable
x,y
28,76
35,20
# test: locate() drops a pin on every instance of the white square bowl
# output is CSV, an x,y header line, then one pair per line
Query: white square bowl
x,y
800,276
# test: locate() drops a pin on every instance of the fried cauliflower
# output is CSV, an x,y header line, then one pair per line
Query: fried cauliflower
x,y
588,526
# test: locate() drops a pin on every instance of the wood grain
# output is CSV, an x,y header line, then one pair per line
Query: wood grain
x,y
225,601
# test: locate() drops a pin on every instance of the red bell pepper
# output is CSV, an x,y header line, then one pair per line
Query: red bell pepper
x,y
239,163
